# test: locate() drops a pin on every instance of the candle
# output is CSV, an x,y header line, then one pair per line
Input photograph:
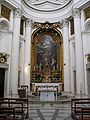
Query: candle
x,y
57,66
37,66
60,67
34,67
54,67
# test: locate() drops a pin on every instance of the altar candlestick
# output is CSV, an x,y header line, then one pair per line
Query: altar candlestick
x,y
37,66
54,67
34,67
57,66
60,67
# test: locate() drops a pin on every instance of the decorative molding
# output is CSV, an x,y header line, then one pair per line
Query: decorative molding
x,y
76,13
3,57
7,31
71,37
4,65
28,22
22,39
46,25
17,13
53,5
85,32
65,22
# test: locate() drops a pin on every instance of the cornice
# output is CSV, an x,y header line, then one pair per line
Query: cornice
x,y
6,31
13,3
81,3
76,12
85,32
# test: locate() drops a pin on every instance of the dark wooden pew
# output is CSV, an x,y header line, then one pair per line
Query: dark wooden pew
x,y
25,104
3,116
6,112
77,108
87,116
18,106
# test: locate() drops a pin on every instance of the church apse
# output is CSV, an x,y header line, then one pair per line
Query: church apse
x,y
46,58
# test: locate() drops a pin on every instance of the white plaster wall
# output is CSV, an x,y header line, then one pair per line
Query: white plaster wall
x,y
18,1
75,1
5,42
88,39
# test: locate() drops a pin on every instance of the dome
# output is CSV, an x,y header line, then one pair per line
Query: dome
x,y
47,10
46,5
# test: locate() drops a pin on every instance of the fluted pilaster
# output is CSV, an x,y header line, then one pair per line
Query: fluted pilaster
x,y
66,55
27,53
15,52
79,52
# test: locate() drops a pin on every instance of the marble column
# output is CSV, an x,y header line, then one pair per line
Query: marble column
x,y
22,62
85,50
15,52
66,56
27,53
79,52
72,65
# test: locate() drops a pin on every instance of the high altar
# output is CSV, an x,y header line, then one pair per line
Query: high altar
x,y
47,61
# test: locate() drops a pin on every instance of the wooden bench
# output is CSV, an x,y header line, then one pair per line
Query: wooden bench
x,y
18,106
79,107
83,116
3,116
25,104
6,112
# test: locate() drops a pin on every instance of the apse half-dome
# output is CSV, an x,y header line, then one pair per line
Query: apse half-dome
x,y
46,5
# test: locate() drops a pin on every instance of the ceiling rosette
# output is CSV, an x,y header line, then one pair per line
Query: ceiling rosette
x,y
46,5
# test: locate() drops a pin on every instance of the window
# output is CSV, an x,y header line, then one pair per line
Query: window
x,y
72,26
21,26
87,13
5,12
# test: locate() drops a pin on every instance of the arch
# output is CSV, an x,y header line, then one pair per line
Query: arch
x,y
54,29
47,54
4,24
87,25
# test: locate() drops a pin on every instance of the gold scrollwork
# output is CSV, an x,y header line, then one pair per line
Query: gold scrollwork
x,y
3,58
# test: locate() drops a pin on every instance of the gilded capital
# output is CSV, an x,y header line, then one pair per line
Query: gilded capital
x,y
76,12
17,13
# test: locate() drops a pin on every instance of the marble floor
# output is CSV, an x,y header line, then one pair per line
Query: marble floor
x,y
49,111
